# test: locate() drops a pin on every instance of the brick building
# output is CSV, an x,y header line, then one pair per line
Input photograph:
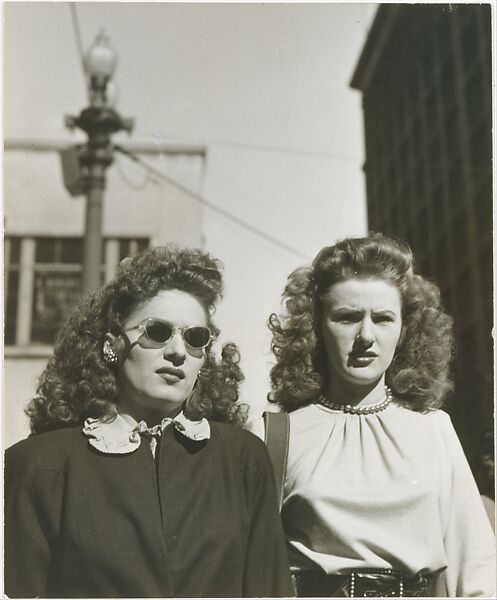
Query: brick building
x,y
425,75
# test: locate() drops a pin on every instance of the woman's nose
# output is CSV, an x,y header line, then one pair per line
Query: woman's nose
x,y
175,349
365,335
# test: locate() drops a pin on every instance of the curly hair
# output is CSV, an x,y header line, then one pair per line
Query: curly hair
x,y
77,382
419,373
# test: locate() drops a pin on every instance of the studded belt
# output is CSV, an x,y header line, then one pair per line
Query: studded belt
x,y
360,583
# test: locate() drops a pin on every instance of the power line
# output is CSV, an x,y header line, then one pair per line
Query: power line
x,y
77,35
197,197
283,150
138,187
268,148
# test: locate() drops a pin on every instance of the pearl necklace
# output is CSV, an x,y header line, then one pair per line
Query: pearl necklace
x,y
359,410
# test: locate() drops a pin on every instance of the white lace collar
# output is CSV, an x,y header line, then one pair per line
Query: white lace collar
x,y
121,434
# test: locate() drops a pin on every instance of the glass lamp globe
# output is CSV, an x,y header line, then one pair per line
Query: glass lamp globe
x,y
101,58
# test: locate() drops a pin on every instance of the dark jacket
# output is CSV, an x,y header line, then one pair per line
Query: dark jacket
x,y
199,521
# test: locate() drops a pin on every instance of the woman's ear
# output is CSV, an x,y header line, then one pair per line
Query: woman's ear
x,y
111,338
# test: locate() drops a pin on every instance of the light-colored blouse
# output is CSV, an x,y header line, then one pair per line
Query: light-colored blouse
x,y
385,490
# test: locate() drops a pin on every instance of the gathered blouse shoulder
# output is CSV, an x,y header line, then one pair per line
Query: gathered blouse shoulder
x,y
386,490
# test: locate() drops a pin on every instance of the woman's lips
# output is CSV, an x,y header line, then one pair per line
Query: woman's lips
x,y
362,358
171,374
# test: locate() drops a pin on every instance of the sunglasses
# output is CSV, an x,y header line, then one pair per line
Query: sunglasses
x,y
160,332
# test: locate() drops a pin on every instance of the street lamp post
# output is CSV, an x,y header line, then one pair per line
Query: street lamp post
x,y
99,121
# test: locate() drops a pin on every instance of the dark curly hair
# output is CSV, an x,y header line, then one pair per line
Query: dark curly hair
x,y
419,373
77,383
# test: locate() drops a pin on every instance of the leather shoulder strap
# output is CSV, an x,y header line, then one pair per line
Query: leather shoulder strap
x,y
277,431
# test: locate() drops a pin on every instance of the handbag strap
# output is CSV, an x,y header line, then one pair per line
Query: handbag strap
x,y
277,432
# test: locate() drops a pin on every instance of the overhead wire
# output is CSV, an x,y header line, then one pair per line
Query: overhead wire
x,y
264,147
77,35
210,205
138,187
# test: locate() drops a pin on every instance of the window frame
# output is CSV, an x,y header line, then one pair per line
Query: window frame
x,y
27,267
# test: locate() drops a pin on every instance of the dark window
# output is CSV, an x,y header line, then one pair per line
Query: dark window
x,y
71,251
45,250
131,247
14,250
11,306
55,294
57,284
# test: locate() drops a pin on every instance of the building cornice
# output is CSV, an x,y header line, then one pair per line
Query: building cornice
x,y
372,51
18,144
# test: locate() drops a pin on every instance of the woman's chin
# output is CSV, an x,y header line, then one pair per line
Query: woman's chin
x,y
363,376
153,407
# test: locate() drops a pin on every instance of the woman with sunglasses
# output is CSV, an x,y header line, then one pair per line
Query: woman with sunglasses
x,y
134,482
378,497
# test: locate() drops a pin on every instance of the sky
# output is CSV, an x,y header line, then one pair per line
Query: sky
x,y
264,87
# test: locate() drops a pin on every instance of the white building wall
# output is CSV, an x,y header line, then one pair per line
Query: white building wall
x,y
136,204
20,376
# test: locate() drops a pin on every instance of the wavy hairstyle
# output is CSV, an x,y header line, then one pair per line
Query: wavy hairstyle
x,y
77,382
419,373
